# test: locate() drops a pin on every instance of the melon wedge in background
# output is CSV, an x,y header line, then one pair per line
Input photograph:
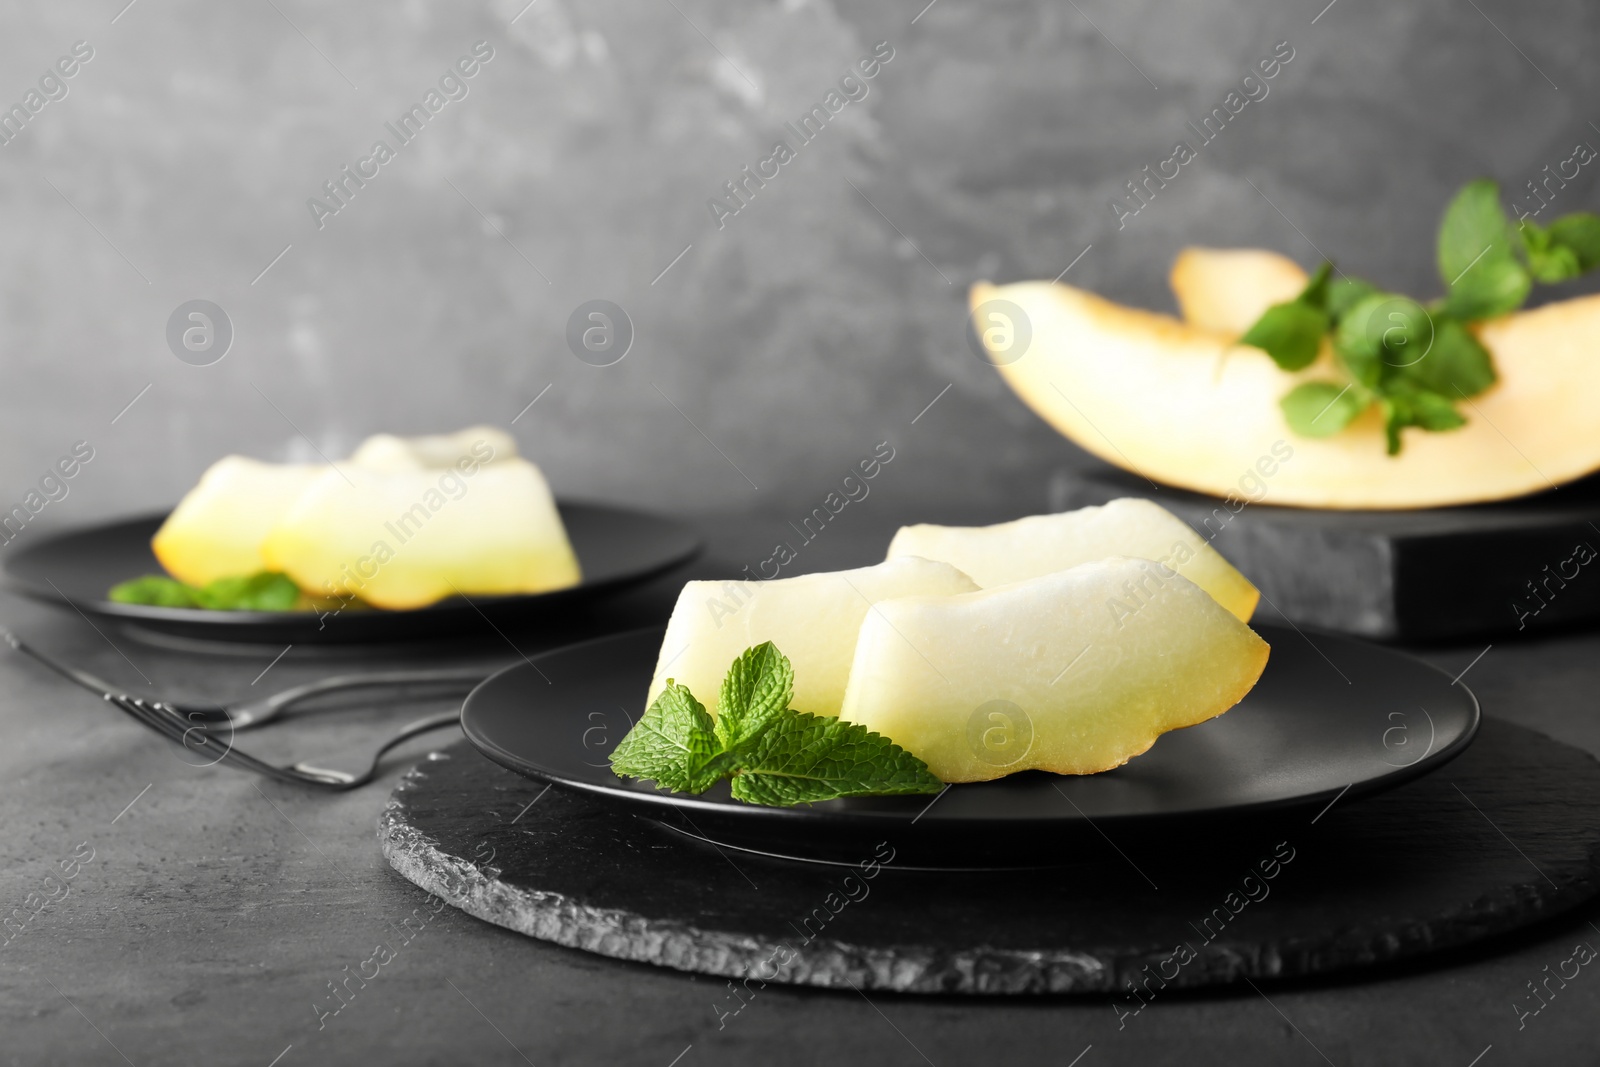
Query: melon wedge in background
x,y
218,528
1225,290
1075,672
812,618
472,446
405,538
1186,406
1043,544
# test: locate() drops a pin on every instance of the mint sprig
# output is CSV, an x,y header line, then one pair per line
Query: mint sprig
x,y
675,744
804,758
1415,362
756,690
1291,332
775,755
264,591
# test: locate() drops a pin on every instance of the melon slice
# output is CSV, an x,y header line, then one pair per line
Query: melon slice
x,y
1225,290
1074,672
1180,405
218,528
405,538
472,446
1043,544
812,618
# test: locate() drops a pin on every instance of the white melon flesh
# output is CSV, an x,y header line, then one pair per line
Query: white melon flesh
x,y
218,528
1225,290
1043,544
1074,672
812,618
405,538
1184,406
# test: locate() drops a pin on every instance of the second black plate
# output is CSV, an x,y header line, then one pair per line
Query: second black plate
x,y
616,547
1331,717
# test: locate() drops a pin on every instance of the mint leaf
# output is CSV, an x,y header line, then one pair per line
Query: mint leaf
x,y
1379,332
803,758
1555,264
1476,259
266,591
1406,406
1579,233
1291,333
1492,286
757,688
1315,294
1322,409
1344,294
1474,228
778,756
1456,365
674,744
155,590
1434,412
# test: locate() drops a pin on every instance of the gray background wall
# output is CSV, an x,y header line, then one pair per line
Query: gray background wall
x,y
812,326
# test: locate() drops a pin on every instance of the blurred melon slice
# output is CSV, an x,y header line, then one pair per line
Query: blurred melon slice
x,y
218,528
474,445
1181,405
1225,290
813,618
1074,672
405,538
1044,544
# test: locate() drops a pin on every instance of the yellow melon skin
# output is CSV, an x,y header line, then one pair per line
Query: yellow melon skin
x,y
812,618
218,528
1225,290
1042,544
1185,406
402,538
1047,673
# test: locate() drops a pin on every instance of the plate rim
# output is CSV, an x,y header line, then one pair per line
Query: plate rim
x,y
694,545
654,800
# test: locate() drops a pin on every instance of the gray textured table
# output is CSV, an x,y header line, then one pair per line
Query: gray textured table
x,y
216,911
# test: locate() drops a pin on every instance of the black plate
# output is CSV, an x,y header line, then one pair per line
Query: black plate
x,y
616,548
1302,738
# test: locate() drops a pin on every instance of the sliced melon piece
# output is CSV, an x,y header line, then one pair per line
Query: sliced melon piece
x,y
1179,405
218,528
1074,672
470,447
812,618
1225,290
1044,544
400,538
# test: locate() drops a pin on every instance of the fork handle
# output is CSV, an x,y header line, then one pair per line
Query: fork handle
x,y
334,683
341,778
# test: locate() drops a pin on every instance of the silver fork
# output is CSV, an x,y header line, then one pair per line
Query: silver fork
x,y
196,738
248,714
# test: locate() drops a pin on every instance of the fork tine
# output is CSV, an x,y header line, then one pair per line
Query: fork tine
x,y
166,723
70,673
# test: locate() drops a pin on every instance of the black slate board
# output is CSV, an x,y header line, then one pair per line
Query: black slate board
x,y
1506,835
1397,575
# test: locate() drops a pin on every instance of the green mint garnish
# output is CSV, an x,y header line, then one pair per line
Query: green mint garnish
x,y
1476,257
775,755
674,744
756,690
1417,362
265,591
1291,332
803,758
1322,409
